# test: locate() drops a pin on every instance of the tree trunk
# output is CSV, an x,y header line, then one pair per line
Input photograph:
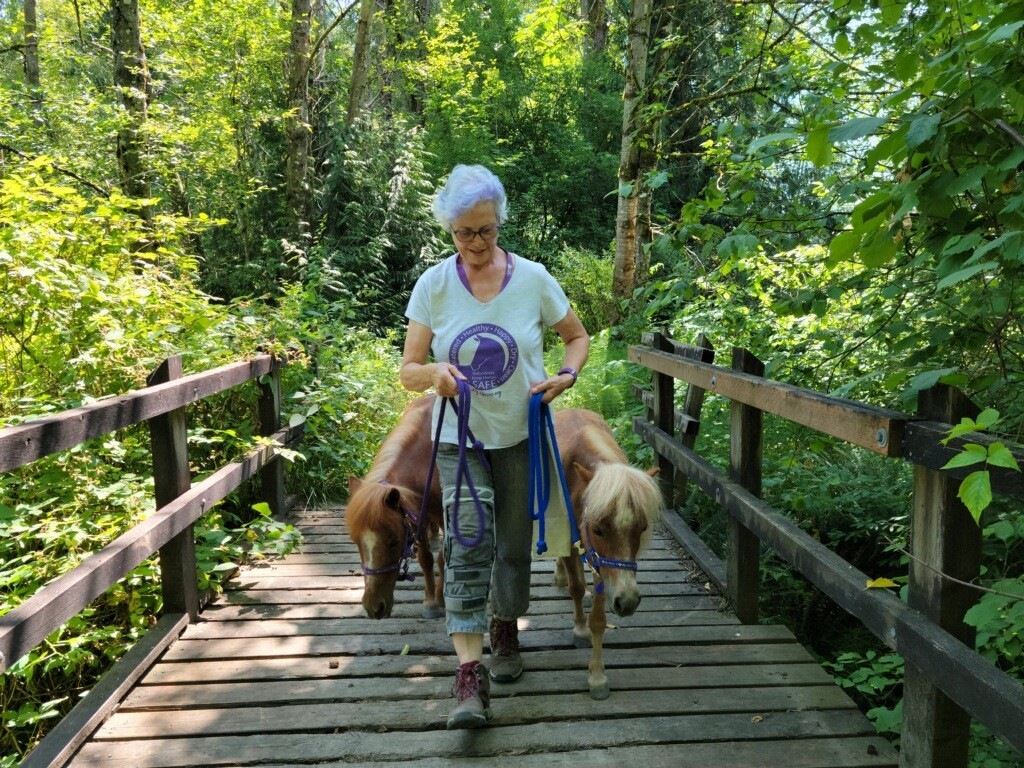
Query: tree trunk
x,y
624,277
595,16
131,83
297,196
360,62
32,51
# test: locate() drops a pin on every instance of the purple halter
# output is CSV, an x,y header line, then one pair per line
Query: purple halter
x,y
412,536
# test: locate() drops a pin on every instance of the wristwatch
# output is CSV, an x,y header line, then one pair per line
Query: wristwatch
x,y
571,372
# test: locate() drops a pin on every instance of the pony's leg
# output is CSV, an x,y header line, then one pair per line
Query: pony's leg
x,y
431,610
561,580
598,622
577,587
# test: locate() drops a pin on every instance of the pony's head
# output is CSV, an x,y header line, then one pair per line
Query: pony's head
x,y
621,507
378,526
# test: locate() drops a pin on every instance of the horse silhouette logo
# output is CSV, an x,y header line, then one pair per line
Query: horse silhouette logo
x,y
487,354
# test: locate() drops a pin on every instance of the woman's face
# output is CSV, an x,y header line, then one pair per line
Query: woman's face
x,y
478,250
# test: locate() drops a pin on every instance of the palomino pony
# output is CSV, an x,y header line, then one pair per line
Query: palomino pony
x,y
616,506
383,515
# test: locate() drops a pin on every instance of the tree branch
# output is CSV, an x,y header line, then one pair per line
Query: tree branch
x,y
59,169
323,36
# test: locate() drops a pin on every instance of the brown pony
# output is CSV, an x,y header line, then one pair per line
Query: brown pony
x,y
616,506
383,511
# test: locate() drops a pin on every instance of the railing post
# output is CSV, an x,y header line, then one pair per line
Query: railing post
x,y
663,388
744,548
272,475
692,406
946,541
171,478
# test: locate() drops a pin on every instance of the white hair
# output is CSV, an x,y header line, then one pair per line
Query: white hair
x,y
466,186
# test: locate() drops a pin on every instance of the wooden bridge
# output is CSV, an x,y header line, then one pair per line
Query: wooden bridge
x,y
285,671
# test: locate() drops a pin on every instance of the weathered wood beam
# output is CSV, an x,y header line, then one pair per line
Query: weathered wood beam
x,y
877,429
24,443
922,445
61,743
30,623
989,695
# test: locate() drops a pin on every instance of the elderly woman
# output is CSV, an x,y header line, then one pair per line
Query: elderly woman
x,y
481,315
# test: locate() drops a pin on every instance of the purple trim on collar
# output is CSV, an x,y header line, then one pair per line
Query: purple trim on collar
x,y
509,266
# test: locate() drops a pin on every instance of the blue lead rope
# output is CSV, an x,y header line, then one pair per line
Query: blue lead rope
x,y
542,442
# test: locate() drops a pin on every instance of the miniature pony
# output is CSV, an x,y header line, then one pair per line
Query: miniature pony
x,y
383,511
616,506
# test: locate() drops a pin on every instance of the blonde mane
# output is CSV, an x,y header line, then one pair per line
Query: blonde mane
x,y
618,486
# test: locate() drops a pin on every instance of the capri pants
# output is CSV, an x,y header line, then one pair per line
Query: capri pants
x,y
499,566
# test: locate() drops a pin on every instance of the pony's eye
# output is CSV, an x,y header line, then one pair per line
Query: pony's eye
x,y
599,532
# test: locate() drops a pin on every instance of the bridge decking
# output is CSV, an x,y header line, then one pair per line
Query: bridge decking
x,y
285,671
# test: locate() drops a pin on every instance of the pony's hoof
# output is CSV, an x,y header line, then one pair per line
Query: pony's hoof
x,y
581,642
432,612
600,694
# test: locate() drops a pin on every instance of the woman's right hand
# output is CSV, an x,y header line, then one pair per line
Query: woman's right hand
x,y
445,379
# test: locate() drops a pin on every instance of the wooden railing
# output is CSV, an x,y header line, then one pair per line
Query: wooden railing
x,y
946,682
168,530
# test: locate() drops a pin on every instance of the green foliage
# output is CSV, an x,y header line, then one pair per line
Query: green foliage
x,y
976,489
378,232
999,620
585,277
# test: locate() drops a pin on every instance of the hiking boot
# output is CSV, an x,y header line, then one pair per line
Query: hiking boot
x,y
473,692
506,663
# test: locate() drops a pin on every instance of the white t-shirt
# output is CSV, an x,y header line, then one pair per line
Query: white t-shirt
x,y
498,344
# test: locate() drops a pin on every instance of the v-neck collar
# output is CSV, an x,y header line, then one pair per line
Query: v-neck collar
x,y
509,266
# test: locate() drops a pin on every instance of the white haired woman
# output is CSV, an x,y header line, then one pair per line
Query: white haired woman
x,y
479,316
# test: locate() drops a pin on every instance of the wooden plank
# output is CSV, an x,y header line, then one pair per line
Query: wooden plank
x,y
433,643
841,752
877,429
29,624
294,668
708,562
200,695
986,693
210,630
410,609
514,708
24,443
70,733
541,739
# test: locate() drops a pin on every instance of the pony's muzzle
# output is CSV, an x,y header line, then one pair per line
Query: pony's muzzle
x,y
625,604
377,609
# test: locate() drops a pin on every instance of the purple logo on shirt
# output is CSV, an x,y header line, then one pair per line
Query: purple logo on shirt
x,y
486,353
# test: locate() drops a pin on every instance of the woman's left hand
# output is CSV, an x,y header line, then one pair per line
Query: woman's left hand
x,y
553,386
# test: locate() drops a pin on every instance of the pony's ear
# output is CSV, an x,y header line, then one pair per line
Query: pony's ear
x,y
585,473
354,484
393,499
654,471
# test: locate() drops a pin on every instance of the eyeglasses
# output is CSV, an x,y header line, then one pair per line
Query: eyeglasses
x,y
468,235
